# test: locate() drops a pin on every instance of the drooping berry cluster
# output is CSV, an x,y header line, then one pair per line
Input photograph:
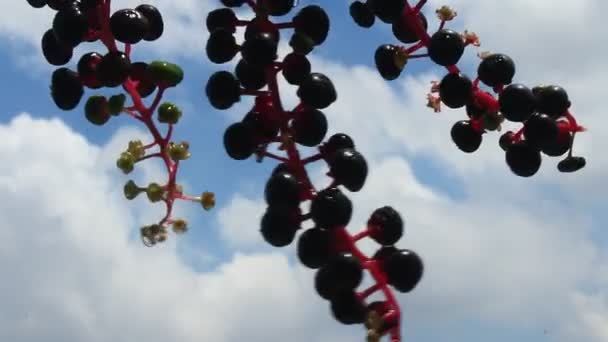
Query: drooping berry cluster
x,y
79,21
328,246
548,125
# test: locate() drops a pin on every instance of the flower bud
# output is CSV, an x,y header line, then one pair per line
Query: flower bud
x,y
126,162
179,151
208,200
155,192
136,148
180,226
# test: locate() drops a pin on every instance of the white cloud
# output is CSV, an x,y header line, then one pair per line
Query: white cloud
x,y
73,274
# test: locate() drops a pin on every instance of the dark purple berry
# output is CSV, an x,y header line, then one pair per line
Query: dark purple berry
x,y
156,25
496,69
87,69
113,69
385,226
342,273
387,10
404,33
349,168
251,77
361,14
348,309
571,164
552,100
260,50
295,68
279,225
129,26
221,46
517,102
446,47
466,138
55,52
278,7
313,22
331,209
70,25
540,130
223,90
314,247
66,89
390,61
404,270
239,141
282,188
309,127
455,90
523,159
221,18
317,91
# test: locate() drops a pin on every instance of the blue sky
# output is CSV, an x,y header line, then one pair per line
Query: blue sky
x,y
507,258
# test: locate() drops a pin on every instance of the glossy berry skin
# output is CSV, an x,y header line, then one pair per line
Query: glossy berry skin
x,y
129,26
403,32
455,90
473,111
331,209
87,69
571,164
265,128
223,18
259,25
385,226
260,50
221,46
232,3
55,52
66,89
466,138
313,22
523,159
361,14
506,140
540,130
317,91
239,141
336,142
97,110
387,10
496,69
223,90
404,270
314,247
341,274
278,7
348,309
251,77
70,25
113,69
143,77
349,168
295,68
560,145
156,25
446,47
37,3
552,100
282,188
309,127
517,102
387,61
279,225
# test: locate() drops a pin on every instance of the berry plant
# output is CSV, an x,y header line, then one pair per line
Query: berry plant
x,y
270,131
548,125
80,21
291,197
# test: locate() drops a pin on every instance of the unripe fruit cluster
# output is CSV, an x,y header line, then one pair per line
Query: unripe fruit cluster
x,y
80,21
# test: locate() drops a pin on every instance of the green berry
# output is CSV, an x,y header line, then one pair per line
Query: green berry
x,y
154,192
165,73
131,190
97,110
169,113
116,104
126,162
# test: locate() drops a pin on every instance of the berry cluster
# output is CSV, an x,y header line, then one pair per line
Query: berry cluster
x,y
548,125
79,21
328,246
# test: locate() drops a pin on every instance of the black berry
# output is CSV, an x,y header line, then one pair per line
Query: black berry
x,y
156,25
496,69
309,127
361,14
70,25
523,159
279,225
87,69
540,130
260,49
402,31
223,90
446,47
349,168
331,209
347,308
313,22
239,141
571,164
342,273
455,90
389,61
517,102
385,226
221,18
404,270
113,69
317,90
54,51
252,77
466,138
552,100
221,46
66,88
314,247
295,68
282,188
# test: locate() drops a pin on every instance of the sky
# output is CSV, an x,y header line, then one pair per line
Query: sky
x,y
506,258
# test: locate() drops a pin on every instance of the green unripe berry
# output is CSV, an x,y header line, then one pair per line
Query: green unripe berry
x,y
155,192
131,190
165,73
169,113
126,162
97,110
179,151
116,104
